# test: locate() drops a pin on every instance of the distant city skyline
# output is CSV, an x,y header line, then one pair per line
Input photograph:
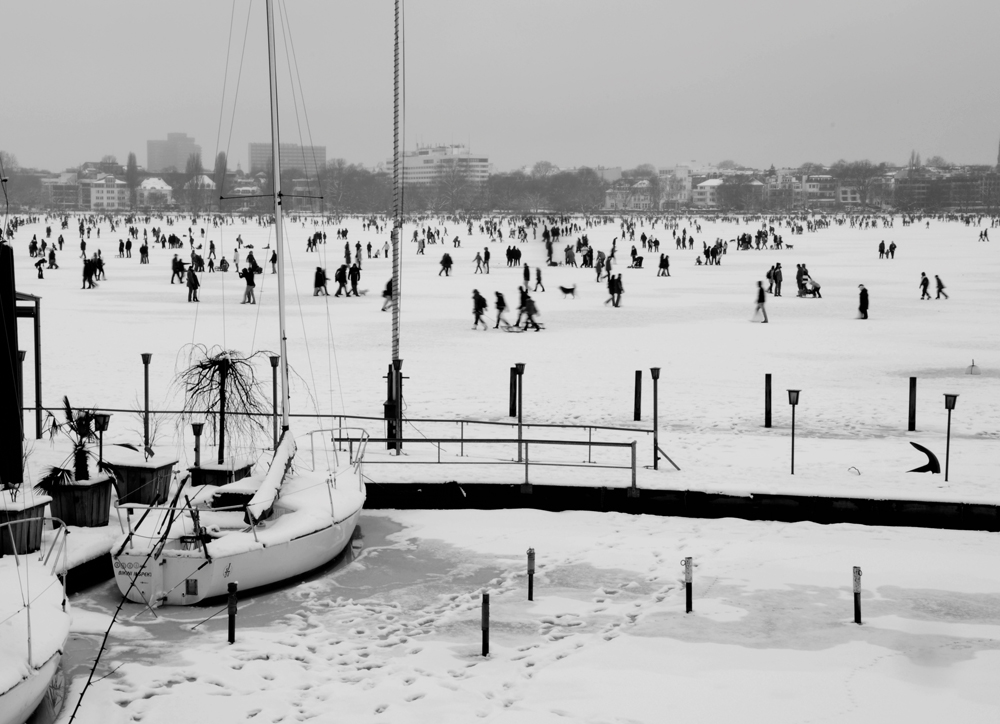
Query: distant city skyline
x,y
572,82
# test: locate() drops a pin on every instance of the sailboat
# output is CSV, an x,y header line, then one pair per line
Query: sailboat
x,y
296,516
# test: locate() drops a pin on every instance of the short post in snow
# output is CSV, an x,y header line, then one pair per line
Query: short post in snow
x,y
857,595
911,422
638,395
688,597
486,624
232,612
654,372
531,574
767,400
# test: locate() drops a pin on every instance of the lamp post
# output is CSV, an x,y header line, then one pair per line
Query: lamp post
x,y
196,428
654,372
274,396
397,366
146,357
519,368
793,400
101,420
949,405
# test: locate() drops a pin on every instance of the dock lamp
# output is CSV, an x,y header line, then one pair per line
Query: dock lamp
x,y
146,359
793,400
519,369
101,420
949,405
196,428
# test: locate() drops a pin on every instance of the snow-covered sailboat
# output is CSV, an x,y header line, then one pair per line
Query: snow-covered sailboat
x,y
34,622
298,516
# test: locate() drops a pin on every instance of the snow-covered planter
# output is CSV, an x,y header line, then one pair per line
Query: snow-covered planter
x,y
23,537
84,503
139,480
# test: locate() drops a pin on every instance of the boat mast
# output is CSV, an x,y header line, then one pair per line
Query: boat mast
x,y
276,186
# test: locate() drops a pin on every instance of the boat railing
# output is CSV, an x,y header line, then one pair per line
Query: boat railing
x,y
173,511
356,439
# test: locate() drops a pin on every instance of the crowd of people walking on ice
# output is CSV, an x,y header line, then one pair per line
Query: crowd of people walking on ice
x,y
566,241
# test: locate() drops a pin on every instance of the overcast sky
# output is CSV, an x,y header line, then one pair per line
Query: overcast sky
x,y
574,82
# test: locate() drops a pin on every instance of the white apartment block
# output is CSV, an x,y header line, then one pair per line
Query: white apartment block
x,y
428,163
108,194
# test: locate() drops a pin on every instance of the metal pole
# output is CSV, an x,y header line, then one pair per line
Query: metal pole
x,y
793,439
513,392
38,369
20,387
637,414
857,595
688,583
767,400
912,421
397,365
274,398
656,423
947,449
232,612
146,357
520,412
486,624
531,574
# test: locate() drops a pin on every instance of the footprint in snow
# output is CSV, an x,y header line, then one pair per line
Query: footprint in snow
x,y
414,697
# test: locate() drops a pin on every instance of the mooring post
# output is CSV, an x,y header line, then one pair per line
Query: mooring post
x,y
486,624
633,491
531,574
767,400
232,613
638,395
912,420
857,595
688,596
146,357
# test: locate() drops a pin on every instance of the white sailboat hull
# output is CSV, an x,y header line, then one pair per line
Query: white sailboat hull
x,y
180,580
19,702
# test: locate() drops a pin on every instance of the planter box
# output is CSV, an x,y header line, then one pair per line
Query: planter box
x,y
27,537
215,474
85,503
147,484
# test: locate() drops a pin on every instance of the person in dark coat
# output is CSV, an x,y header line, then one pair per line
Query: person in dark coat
x,y
924,283
940,287
340,276
354,276
387,295
478,307
319,282
249,294
192,285
777,277
863,302
446,263
501,306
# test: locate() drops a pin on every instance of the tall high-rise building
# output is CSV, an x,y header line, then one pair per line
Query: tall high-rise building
x,y
172,153
307,159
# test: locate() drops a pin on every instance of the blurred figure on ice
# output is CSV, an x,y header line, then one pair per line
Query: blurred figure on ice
x,y
664,266
387,295
177,268
274,261
52,259
924,283
223,265
354,276
863,302
319,282
892,249
761,296
445,265
881,250
777,277
501,307
40,266
479,263
340,276
940,287
538,279
478,307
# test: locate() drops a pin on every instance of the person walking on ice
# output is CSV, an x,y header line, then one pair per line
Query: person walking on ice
x,y
940,287
501,307
538,279
924,283
478,307
479,263
761,296
862,302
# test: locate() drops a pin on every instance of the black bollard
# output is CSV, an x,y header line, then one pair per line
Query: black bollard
x,y
638,395
688,596
767,400
513,392
486,624
857,595
531,574
232,613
